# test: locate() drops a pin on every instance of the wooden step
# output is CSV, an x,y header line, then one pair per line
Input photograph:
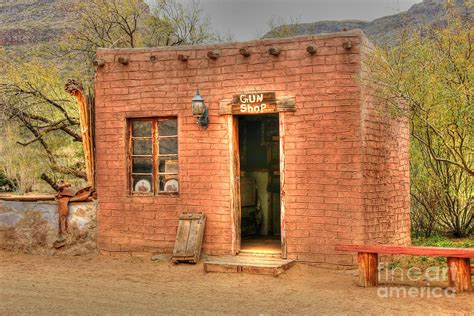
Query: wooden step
x,y
251,253
248,264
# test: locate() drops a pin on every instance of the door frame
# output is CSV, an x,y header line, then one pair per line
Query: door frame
x,y
234,158
281,124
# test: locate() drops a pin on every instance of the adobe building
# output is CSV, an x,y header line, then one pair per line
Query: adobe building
x,y
285,148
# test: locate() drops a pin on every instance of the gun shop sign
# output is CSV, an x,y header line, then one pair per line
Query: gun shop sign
x,y
251,103
254,103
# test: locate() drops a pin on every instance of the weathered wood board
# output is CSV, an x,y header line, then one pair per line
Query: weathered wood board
x,y
459,265
248,264
410,250
368,265
187,247
256,103
459,274
247,191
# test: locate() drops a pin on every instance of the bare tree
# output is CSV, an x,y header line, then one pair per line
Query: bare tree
x,y
31,92
171,23
282,27
45,115
105,23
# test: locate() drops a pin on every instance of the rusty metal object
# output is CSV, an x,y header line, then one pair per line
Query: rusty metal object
x,y
65,195
84,194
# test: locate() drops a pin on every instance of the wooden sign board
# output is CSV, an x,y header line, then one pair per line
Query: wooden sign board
x,y
187,247
256,103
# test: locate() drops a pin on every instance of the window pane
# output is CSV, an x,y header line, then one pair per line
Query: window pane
x,y
142,147
142,165
141,128
168,146
142,184
167,128
168,183
168,165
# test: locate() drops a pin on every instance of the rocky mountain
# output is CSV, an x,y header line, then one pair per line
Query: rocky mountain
x,y
30,22
25,22
383,30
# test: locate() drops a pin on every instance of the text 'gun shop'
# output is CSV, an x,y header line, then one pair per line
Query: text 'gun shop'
x,y
255,103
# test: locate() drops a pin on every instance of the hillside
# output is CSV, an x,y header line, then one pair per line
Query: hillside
x,y
383,30
30,22
25,22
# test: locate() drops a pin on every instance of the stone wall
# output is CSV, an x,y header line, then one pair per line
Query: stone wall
x,y
32,227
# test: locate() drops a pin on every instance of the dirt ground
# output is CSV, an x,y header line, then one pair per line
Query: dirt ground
x,y
31,284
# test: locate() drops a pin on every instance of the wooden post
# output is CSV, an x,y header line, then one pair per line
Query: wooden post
x,y
281,122
234,159
311,49
459,274
213,54
368,269
75,88
244,52
182,57
274,51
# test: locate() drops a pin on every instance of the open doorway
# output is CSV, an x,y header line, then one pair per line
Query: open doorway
x,y
259,149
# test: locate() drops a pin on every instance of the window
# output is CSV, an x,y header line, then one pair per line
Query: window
x,y
153,156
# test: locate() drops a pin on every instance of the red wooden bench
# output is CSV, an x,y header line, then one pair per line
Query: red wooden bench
x,y
459,268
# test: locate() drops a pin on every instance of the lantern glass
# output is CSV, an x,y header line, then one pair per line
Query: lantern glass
x,y
198,108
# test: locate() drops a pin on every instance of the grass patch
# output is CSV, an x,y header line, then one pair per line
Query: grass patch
x,y
423,262
442,241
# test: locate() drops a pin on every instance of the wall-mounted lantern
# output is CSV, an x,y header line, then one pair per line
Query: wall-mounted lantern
x,y
200,110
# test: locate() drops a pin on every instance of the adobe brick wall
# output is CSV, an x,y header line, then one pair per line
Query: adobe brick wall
x,y
386,140
342,156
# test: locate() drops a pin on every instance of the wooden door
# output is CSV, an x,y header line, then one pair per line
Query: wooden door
x,y
189,237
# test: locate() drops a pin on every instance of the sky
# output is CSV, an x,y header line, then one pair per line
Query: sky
x,y
249,19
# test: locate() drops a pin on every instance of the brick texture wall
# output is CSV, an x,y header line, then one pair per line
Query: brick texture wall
x,y
346,161
386,167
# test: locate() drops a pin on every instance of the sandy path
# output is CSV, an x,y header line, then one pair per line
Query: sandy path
x,y
98,285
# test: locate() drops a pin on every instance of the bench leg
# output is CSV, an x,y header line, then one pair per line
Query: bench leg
x,y
459,274
368,269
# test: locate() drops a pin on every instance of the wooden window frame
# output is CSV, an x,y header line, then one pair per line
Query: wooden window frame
x,y
155,156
